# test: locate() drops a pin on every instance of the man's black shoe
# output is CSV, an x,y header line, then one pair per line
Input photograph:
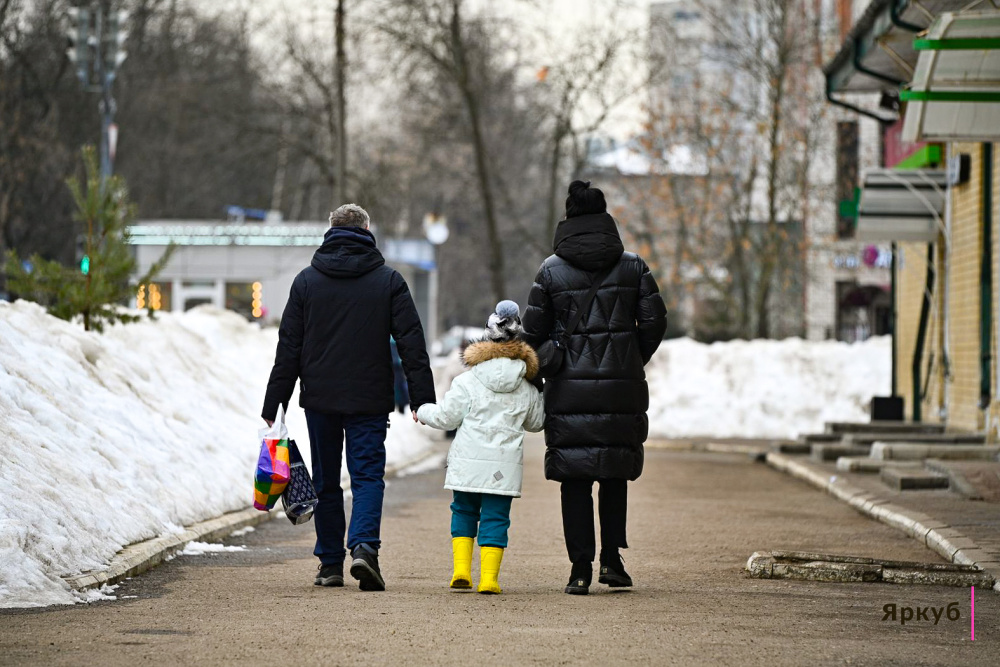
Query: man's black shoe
x,y
579,579
365,568
330,575
613,571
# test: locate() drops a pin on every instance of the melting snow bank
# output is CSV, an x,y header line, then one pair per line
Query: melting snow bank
x,y
763,388
107,440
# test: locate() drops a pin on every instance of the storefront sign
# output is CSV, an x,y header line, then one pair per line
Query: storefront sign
x,y
872,256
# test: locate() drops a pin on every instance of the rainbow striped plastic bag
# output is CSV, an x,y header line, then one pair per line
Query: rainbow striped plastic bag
x,y
273,470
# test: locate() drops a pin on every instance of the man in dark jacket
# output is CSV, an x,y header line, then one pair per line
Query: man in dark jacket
x,y
595,404
334,338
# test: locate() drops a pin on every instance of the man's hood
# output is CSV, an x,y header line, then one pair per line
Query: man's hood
x,y
590,242
347,252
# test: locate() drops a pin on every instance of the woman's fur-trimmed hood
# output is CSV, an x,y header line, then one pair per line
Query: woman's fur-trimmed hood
x,y
485,350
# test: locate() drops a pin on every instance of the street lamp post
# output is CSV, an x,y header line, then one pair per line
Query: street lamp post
x,y
97,34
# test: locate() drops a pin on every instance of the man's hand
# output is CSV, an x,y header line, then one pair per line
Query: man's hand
x,y
414,413
270,422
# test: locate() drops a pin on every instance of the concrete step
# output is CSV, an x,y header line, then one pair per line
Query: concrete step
x,y
900,479
976,480
821,437
791,447
868,438
911,451
866,464
832,452
883,427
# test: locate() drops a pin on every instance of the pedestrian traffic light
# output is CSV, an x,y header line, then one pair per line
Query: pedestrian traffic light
x,y
85,265
79,51
114,39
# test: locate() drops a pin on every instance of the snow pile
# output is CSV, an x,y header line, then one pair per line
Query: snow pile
x,y
763,388
203,548
105,592
751,389
106,440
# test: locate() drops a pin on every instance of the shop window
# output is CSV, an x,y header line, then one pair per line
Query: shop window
x,y
194,302
156,296
862,311
245,299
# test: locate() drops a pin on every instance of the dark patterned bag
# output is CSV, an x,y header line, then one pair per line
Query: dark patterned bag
x,y
552,352
299,498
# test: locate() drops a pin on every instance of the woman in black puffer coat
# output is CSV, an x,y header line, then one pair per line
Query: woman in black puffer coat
x,y
595,404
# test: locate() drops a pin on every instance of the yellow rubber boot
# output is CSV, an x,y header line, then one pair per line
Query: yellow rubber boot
x,y
461,548
489,569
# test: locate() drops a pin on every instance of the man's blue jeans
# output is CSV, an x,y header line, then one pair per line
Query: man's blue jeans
x,y
487,514
366,466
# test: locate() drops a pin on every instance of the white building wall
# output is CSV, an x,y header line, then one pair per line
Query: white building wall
x,y
275,267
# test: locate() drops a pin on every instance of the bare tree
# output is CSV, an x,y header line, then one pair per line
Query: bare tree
x,y
587,81
438,34
751,115
341,69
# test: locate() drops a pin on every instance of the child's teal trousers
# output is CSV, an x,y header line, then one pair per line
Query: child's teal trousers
x,y
485,514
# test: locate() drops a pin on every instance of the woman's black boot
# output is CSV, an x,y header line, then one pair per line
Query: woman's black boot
x,y
579,578
613,571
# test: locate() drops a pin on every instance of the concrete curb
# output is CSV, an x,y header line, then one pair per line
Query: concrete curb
x,y
142,556
755,451
949,543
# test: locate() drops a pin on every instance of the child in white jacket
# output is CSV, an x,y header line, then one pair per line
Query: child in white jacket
x,y
491,405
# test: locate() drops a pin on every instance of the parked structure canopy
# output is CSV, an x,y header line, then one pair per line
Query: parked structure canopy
x,y
901,205
955,94
878,54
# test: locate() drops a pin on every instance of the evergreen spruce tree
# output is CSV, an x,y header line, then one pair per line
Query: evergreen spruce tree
x,y
99,286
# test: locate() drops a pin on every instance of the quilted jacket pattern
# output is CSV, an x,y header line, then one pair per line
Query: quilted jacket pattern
x,y
595,405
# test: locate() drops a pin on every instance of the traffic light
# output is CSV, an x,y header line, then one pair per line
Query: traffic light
x,y
114,39
85,265
80,51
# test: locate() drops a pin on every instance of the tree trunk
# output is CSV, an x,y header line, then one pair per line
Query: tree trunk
x,y
5,197
479,148
768,258
278,192
341,68
486,191
554,159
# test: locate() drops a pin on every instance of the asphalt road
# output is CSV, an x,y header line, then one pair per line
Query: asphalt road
x,y
694,520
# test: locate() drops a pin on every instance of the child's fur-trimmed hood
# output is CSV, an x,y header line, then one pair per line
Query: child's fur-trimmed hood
x,y
485,350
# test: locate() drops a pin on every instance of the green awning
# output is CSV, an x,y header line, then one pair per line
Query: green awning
x,y
955,94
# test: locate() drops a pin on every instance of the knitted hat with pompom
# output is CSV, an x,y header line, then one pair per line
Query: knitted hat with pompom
x,y
504,324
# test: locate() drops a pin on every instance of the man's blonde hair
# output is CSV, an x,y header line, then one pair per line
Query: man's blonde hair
x,y
350,215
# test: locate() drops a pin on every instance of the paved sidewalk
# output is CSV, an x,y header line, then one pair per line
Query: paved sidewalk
x,y
694,520
970,526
